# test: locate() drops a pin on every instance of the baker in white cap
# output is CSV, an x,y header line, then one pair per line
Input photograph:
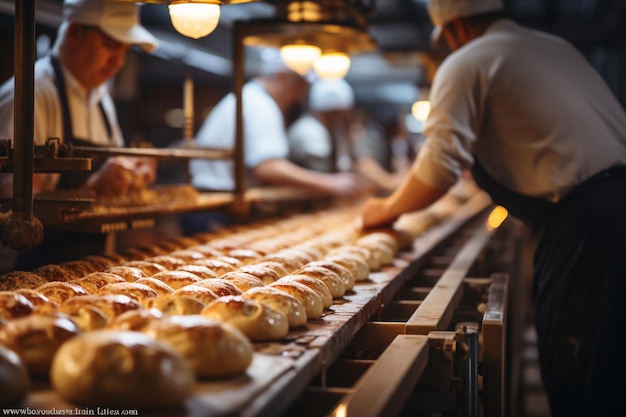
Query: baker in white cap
x,y
546,138
72,101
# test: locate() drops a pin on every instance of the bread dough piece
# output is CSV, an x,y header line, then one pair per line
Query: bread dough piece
x,y
16,280
129,273
121,369
242,280
220,287
94,281
212,348
14,305
177,279
266,274
281,301
344,273
203,272
59,292
200,293
13,378
332,281
359,268
312,302
313,283
159,286
257,321
112,305
176,305
36,339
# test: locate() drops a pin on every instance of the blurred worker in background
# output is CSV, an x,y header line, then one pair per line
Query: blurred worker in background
x,y
546,138
330,138
266,101
72,102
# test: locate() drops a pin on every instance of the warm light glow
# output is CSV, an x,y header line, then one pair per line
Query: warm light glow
x,y
332,65
300,57
196,19
496,217
420,110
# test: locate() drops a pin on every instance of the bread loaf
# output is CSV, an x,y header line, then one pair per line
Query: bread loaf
x,y
200,293
170,263
220,267
129,273
179,305
344,273
121,369
20,279
219,287
266,274
149,268
159,286
242,280
137,291
313,283
200,271
112,305
13,378
36,339
59,292
41,303
53,272
86,317
14,305
332,281
176,279
359,268
93,282
212,348
279,300
255,320
135,320
309,298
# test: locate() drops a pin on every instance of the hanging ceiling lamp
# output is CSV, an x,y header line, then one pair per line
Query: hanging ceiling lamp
x,y
193,18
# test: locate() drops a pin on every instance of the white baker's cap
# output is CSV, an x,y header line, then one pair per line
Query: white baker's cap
x,y
444,11
325,95
118,19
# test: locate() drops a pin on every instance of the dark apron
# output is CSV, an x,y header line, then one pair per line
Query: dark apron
x,y
578,288
58,246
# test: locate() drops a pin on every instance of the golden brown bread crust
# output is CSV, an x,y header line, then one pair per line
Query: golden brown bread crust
x,y
134,290
187,255
59,292
246,256
129,273
359,268
200,293
86,317
93,282
13,378
79,267
180,305
112,305
332,281
36,339
177,279
41,303
207,251
313,283
277,267
266,274
373,259
53,272
242,280
125,370
220,267
344,273
159,286
312,302
135,320
16,280
257,321
14,305
279,300
213,349
149,268
220,287
101,263
170,263
201,271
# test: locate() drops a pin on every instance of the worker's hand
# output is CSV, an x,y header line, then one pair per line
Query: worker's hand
x,y
121,175
349,185
375,213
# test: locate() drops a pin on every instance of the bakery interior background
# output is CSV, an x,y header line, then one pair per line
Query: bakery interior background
x,y
387,81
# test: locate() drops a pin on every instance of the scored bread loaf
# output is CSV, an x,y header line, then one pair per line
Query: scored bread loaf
x,y
14,305
266,274
135,320
59,292
279,300
112,305
344,273
332,281
159,286
220,287
257,321
121,369
200,293
176,305
149,268
203,272
242,280
312,302
137,291
313,283
94,281
16,280
177,279
213,349
359,268
129,273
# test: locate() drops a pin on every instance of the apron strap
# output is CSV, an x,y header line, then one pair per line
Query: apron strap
x,y
59,81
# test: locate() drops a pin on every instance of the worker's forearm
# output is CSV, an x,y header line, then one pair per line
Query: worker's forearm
x,y
413,194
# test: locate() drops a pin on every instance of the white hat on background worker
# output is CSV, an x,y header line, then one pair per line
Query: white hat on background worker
x,y
445,11
118,19
327,95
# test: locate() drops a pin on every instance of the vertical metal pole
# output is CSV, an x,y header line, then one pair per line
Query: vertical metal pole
x,y
24,108
239,154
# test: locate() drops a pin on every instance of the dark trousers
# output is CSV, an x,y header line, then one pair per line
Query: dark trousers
x,y
579,300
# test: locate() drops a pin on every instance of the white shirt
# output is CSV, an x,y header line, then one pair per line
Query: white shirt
x,y
310,144
529,106
264,137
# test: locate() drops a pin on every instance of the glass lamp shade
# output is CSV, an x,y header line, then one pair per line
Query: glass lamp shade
x,y
299,57
194,20
332,65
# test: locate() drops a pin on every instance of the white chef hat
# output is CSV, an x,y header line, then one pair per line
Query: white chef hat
x,y
325,95
444,11
118,19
